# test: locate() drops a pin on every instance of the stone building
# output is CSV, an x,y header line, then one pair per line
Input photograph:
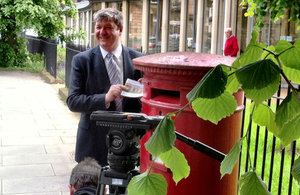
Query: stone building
x,y
154,26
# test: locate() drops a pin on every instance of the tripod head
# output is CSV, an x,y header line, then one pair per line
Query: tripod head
x,y
122,140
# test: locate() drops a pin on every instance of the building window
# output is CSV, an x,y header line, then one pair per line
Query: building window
x,y
174,25
135,25
155,26
191,26
207,26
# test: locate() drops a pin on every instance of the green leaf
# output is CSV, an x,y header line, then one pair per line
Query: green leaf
x,y
292,74
215,109
287,110
258,75
251,184
282,46
268,55
210,86
144,184
163,138
231,158
290,131
176,161
252,53
289,50
232,84
296,170
259,95
264,116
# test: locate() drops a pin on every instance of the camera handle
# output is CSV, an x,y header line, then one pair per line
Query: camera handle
x,y
205,149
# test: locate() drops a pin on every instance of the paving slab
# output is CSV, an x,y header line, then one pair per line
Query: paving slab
x,y
37,136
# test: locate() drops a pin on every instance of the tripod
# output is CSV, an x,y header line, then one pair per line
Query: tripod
x,y
117,181
122,140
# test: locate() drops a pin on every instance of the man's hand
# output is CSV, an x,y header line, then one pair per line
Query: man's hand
x,y
115,92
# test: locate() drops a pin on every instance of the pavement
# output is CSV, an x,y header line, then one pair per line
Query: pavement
x,y
37,136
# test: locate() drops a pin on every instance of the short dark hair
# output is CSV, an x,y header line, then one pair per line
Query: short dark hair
x,y
109,14
85,173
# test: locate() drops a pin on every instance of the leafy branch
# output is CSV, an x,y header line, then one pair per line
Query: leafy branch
x,y
258,72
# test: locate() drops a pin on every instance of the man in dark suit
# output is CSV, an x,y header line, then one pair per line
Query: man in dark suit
x,y
90,88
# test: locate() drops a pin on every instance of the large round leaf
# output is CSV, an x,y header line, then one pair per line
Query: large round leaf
x,y
252,53
163,138
287,50
251,184
263,115
258,75
287,110
178,164
292,73
148,184
215,109
259,95
210,86
231,158
290,131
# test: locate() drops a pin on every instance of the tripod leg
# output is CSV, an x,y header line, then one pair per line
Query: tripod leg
x,y
117,191
102,189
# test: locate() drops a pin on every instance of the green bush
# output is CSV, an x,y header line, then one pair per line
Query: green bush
x,y
13,56
6,55
22,54
35,63
61,56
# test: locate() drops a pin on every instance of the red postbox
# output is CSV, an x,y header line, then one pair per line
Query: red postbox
x,y
168,77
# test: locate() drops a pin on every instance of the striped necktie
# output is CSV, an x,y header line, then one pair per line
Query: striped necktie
x,y
113,74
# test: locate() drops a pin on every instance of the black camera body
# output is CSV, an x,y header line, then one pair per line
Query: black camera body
x,y
122,140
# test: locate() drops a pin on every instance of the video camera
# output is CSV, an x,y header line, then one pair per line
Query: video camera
x,y
122,140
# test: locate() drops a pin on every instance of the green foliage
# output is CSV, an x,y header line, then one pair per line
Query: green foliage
x,y
146,184
215,78
21,55
161,144
277,8
61,56
287,110
215,109
258,71
35,63
263,115
296,169
249,75
256,87
45,17
231,158
6,55
251,184
252,52
264,75
163,138
176,161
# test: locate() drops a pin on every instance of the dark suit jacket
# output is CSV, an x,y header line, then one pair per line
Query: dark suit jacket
x,y
89,82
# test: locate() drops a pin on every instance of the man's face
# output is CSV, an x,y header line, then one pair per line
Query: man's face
x,y
228,33
108,34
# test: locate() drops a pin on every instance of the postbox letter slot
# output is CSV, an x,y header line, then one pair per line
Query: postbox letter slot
x,y
166,96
